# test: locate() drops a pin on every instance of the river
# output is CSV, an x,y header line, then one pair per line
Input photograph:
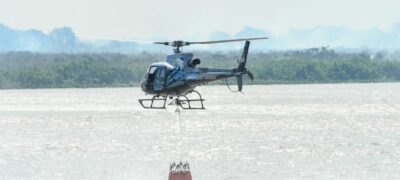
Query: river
x,y
320,131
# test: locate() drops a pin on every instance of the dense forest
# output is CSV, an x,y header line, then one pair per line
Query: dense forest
x,y
317,65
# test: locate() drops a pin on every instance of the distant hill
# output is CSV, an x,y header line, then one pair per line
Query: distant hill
x,y
64,40
58,40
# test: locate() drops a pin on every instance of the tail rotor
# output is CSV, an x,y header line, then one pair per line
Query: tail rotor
x,y
242,67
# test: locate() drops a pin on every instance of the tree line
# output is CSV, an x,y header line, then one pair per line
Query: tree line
x,y
316,65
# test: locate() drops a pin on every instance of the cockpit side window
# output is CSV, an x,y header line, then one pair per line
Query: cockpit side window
x,y
159,79
161,73
152,70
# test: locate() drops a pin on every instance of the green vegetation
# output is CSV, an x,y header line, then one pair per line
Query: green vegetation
x,y
35,70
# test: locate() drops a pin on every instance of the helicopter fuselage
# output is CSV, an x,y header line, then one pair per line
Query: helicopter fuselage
x,y
179,75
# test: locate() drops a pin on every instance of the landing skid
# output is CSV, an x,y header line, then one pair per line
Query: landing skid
x,y
150,103
159,102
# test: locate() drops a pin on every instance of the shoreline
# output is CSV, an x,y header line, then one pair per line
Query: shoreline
x,y
214,84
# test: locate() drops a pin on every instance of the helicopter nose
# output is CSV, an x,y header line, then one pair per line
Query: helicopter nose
x,y
143,85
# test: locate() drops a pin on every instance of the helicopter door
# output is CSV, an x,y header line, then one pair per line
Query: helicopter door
x,y
149,78
159,79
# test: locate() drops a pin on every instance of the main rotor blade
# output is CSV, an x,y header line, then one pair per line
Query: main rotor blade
x,y
173,43
119,39
163,43
229,40
133,40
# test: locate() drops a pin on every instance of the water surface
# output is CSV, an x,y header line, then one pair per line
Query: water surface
x,y
330,131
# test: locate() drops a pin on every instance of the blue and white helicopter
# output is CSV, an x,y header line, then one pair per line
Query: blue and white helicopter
x,y
178,76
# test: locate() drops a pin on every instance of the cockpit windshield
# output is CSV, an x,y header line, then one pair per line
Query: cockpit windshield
x,y
152,69
155,79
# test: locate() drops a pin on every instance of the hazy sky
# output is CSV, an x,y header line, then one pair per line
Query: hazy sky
x,y
181,18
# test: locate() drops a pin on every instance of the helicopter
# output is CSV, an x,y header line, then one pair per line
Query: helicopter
x,y
178,76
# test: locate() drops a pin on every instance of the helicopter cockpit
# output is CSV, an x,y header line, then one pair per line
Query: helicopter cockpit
x,y
155,78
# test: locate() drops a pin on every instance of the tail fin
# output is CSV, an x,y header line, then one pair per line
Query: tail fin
x,y
242,62
242,65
